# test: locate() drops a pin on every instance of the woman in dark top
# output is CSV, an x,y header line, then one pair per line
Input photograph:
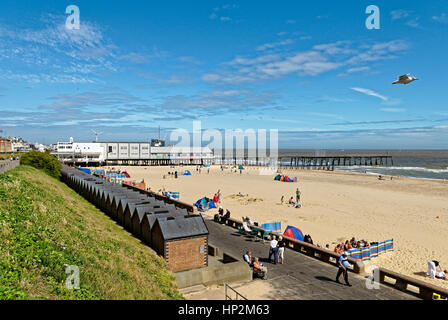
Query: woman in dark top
x,y
281,250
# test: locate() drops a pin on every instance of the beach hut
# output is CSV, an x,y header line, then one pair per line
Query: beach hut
x,y
117,197
138,218
182,241
154,204
112,202
129,204
149,220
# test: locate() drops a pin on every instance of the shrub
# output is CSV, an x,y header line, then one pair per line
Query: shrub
x,y
44,161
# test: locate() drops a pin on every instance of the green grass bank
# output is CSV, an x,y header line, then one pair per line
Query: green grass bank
x,y
45,226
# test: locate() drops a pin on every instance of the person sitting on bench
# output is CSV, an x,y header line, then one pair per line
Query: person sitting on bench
x,y
246,227
248,258
260,270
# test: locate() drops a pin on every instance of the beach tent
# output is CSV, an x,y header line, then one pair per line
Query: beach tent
x,y
126,175
294,233
206,166
241,168
204,204
187,173
283,178
273,226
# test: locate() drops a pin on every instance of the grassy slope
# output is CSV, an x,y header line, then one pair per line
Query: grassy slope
x,y
44,225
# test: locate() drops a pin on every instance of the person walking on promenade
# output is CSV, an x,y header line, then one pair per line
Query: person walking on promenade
x,y
219,196
281,250
343,266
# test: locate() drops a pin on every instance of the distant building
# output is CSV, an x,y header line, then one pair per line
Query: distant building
x,y
20,145
40,147
5,145
79,152
129,153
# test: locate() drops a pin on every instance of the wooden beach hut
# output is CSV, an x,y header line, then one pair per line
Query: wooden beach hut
x,y
129,204
146,207
182,241
148,221
138,218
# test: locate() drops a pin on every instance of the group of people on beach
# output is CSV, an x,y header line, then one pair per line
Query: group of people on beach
x,y
295,204
217,197
435,270
351,244
199,169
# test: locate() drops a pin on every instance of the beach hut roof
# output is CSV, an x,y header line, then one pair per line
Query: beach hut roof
x,y
153,217
182,227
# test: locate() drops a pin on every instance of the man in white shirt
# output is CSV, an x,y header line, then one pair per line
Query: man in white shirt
x,y
432,269
273,249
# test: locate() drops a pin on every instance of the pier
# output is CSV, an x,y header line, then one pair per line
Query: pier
x,y
312,162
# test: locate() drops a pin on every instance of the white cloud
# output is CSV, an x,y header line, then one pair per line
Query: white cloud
x,y
315,61
393,109
274,44
358,69
443,18
54,53
370,93
399,14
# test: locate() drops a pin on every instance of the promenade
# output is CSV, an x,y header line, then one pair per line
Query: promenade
x,y
300,277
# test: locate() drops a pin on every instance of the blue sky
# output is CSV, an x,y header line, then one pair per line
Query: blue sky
x,y
311,70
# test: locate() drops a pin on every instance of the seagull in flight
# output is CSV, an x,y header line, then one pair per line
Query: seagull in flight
x,y
405,79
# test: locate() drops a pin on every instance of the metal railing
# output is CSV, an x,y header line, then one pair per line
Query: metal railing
x,y
238,296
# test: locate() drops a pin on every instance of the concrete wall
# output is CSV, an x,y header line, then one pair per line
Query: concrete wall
x,y
235,270
6,165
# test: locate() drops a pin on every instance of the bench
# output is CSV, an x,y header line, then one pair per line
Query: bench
x,y
426,290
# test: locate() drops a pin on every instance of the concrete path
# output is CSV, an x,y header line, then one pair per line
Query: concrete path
x,y
300,277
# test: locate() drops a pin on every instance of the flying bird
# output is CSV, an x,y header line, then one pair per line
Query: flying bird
x,y
405,79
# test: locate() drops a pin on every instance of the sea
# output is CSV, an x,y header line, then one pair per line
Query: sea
x,y
423,164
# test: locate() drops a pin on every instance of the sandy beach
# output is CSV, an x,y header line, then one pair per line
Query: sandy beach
x,y
336,207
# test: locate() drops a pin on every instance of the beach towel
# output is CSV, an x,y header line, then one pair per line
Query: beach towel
x,y
173,195
273,226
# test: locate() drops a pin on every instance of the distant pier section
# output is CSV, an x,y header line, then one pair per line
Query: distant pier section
x,y
320,162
